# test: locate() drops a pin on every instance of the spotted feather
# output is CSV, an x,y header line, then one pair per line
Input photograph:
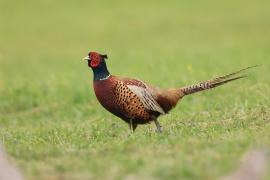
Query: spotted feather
x,y
146,98
130,103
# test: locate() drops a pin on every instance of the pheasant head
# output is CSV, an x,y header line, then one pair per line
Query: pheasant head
x,y
97,63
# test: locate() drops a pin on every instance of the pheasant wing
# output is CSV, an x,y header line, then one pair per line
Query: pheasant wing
x,y
146,97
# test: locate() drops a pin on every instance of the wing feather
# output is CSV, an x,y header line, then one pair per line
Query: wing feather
x,y
146,97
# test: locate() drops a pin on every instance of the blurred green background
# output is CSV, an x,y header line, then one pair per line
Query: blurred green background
x,y
52,125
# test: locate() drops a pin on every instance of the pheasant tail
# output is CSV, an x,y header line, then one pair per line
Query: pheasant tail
x,y
214,82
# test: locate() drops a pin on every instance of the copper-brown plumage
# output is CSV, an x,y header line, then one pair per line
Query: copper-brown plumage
x,y
136,102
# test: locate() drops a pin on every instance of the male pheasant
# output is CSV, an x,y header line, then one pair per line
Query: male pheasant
x,y
136,102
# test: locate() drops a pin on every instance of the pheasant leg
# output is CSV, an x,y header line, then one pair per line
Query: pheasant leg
x,y
159,127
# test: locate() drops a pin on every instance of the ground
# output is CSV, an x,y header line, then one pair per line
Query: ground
x,y
52,126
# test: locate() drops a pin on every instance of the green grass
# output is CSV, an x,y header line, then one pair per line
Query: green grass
x,y
52,125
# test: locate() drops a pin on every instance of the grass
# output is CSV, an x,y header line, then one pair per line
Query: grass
x,y
53,127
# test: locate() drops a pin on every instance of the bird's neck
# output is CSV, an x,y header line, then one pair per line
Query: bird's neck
x,y
101,72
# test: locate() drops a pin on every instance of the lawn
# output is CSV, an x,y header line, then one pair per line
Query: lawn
x,y
52,126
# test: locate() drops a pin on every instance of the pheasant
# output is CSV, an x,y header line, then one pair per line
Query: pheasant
x,y
136,102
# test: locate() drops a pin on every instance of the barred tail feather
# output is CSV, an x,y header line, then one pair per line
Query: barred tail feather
x,y
213,82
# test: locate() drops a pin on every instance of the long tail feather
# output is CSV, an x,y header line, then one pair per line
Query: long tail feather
x,y
213,82
237,72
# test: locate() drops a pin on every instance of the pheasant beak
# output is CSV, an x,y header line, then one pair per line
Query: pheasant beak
x,y
86,58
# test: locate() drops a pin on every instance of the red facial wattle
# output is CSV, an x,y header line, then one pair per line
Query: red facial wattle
x,y
94,63
94,59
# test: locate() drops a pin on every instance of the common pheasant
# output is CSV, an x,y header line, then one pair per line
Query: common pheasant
x,y
136,102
